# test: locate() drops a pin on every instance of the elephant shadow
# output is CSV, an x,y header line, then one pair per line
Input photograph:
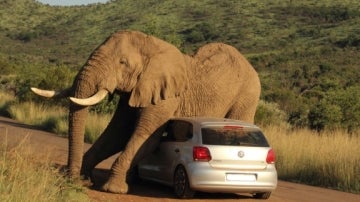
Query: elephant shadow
x,y
146,188
138,188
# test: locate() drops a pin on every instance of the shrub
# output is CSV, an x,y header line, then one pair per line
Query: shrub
x,y
5,102
201,32
325,115
352,40
348,101
269,114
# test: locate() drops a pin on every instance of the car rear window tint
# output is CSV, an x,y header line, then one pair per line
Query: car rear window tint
x,y
233,136
178,131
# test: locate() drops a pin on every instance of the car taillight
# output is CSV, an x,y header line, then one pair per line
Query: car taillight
x,y
232,127
270,158
201,154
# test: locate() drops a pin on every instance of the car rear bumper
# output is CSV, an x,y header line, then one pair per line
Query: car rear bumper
x,y
204,178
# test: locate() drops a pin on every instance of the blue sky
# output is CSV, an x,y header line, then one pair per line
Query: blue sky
x,y
70,2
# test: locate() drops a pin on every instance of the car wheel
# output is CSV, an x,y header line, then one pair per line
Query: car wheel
x,y
263,195
181,184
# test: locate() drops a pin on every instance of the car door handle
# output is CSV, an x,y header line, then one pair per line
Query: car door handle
x,y
177,150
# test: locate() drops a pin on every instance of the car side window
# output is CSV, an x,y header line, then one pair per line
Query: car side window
x,y
178,131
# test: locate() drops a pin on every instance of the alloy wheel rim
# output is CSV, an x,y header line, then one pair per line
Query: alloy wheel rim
x,y
180,181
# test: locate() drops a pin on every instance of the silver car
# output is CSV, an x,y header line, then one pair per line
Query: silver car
x,y
212,155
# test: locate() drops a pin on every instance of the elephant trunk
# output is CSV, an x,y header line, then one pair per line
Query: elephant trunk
x,y
83,87
77,119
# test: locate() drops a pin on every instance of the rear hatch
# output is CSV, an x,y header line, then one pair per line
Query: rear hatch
x,y
236,147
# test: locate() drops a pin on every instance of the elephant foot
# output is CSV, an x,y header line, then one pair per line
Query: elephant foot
x,y
86,174
115,186
86,182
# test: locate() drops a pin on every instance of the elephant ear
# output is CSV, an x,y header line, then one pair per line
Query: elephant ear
x,y
164,76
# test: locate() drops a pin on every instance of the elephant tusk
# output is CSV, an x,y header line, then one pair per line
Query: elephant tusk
x,y
49,93
100,95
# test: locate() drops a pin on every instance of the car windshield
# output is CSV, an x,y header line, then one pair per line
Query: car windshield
x,y
233,136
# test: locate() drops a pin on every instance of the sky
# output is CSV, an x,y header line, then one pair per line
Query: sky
x,y
70,2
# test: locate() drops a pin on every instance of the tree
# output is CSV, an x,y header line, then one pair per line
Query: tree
x,y
325,115
348,101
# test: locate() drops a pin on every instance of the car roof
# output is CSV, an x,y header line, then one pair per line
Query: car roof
x,y
204,121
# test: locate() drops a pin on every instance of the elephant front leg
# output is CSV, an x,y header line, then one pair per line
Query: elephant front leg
x,y
107,145
114,138
117,180
151,119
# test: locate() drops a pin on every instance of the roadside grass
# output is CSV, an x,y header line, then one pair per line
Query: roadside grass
x,y
25,176
95,125
329,159
50,118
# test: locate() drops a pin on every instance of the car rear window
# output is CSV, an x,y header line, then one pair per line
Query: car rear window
x,y
233,136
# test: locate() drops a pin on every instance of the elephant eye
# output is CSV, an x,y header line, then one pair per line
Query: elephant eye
x,y
123,61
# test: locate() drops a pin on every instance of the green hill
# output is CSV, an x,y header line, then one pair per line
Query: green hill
x,y
306,52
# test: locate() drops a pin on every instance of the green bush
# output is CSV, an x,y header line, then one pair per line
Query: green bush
x,y
348,101
325,116
201,33
269,114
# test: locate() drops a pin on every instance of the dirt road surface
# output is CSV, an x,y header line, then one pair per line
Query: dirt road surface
x,y
46,143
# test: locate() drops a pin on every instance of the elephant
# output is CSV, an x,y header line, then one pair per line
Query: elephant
x,y
155,82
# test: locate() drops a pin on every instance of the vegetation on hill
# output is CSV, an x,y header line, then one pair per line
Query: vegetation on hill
x,y
306,52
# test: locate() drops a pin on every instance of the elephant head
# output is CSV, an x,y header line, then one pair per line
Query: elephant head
x,y
127,62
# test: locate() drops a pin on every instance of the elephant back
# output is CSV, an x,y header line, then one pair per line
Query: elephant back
x,y
220,59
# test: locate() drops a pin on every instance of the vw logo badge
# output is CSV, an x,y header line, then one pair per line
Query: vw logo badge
x,y
241,154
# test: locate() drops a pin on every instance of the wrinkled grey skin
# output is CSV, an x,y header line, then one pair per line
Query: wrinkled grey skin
x,y
155,82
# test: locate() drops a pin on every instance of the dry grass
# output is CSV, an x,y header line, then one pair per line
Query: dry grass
x,y
330,159
28,177
56,119
95,124
52,119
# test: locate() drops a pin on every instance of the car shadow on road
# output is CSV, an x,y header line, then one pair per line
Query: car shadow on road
x,y
155,190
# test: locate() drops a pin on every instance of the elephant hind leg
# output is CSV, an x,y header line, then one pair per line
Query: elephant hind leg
x,y
243,110
107,145
112,140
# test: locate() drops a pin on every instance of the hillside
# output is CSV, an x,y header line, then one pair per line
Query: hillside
x,y
305,52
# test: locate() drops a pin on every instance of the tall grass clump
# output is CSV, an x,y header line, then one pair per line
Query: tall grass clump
x,y
49,118
25,177
5,100
95,125
329,159
55,119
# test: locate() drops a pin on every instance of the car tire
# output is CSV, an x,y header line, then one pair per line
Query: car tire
x,y
263,195
181,184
